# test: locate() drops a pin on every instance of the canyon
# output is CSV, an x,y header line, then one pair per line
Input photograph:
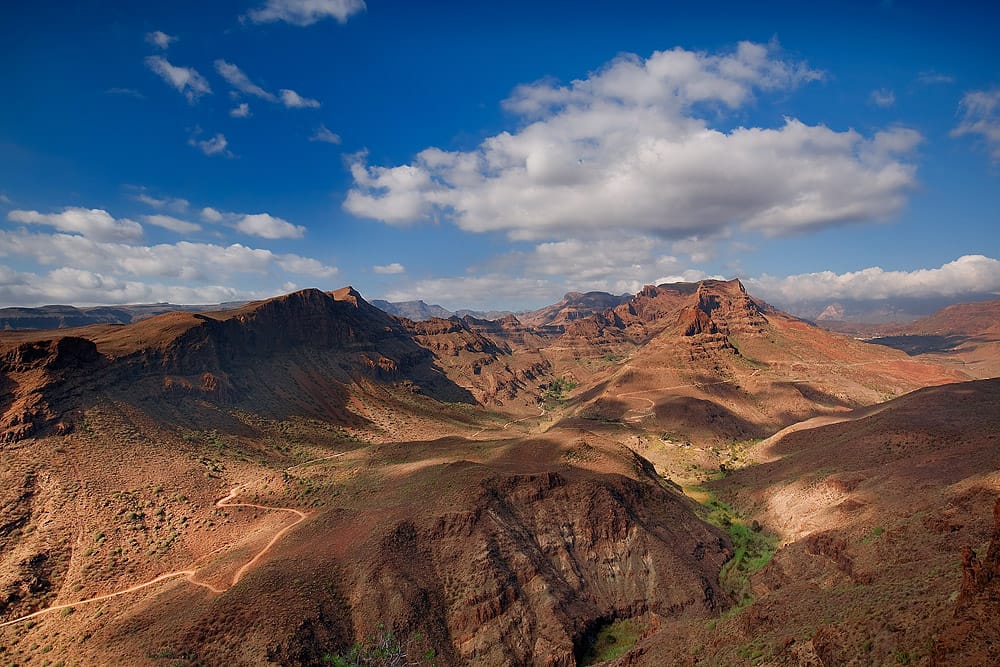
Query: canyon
x,y
291,480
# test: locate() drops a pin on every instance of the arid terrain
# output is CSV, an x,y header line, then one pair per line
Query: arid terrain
x,y
685,476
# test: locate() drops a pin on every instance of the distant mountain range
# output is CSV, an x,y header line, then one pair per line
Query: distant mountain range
x,y
61,317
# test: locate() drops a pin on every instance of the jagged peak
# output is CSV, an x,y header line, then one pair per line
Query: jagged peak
x,y
347,293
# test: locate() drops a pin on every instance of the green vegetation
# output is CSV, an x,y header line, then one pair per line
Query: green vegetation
x,y
383,649
873,535
558,387
613,640
753,547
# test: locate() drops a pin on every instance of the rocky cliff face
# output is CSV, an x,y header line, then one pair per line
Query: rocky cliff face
x,y
303,348
572,307
475,353
36,378
973,638
518,568
705,314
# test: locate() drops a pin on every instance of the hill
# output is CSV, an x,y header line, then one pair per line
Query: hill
x,y
58,317
873,514
275,482
413,310
156,476
573,306
964,335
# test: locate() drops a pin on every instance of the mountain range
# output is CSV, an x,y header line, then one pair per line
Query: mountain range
x,y
681,476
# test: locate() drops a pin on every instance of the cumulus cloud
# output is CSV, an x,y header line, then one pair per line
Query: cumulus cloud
x,y
629,149
268,226
93,223
293,100
160,39
305,266
389,269
186,80
969,274
184,260
623,266
84,288
216,145
172,223
236,78
981,116
209,214
263,225
240,111
325,135
305,12
486,292
883,97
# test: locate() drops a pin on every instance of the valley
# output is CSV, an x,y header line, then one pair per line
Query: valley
x,y
690,469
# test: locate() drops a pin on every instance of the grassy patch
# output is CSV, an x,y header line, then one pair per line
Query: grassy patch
x,y
613,640
557,389
753,548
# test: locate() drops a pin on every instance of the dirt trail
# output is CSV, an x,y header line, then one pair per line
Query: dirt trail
x,y
189,574
504,427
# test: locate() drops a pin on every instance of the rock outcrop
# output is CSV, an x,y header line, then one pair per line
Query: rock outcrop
x,y
973,638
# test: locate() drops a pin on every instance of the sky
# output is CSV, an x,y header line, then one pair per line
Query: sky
x,y
497,155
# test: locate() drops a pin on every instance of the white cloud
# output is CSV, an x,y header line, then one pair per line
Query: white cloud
x,y
240,111
268,226
82,288
173,203
160,39
209,214
4,199
186,80
192,262
969,274
389,269
171,223
628,149
883,97
306,266
325,135
240,81
981,115
94,223
293,100
214,146
481,292
305,12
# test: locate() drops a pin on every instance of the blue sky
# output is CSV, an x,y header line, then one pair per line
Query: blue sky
x,y
497,155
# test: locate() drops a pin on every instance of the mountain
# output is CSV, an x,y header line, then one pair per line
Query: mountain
x,y
965,335
874,311
277,482
484,314
413,310
708,363
309,455
874,515
574,305
58,317
419,311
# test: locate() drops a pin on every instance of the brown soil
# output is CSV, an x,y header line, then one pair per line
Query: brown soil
x,y
491,490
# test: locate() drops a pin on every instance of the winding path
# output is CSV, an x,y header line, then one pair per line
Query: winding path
x,y
515,421
189,574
